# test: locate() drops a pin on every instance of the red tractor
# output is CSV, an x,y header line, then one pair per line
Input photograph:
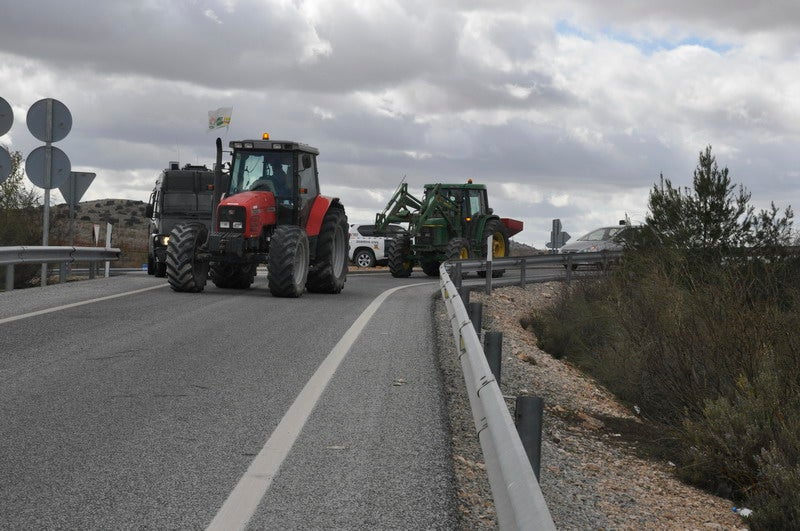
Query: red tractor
x,y
270,213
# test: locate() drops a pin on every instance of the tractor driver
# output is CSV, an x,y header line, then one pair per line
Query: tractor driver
x,y
277,181
282,181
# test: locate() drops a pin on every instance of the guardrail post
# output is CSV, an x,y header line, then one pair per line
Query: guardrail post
x,y
9,277
569,267
463,292
522,269
92,270
494,352
476,316
62,272
457,277
489,250
528,413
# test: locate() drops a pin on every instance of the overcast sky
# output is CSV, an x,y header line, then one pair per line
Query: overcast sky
x,y
567,109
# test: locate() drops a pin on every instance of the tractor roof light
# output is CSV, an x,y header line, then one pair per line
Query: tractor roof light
x,y
248,145
265,136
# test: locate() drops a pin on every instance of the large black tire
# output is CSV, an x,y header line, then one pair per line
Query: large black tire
x,y
328,273
287,265
233,276
430,267
400,266
364,258
458,249
500,244
184,271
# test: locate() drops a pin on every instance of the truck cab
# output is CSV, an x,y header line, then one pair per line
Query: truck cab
x,y
180,195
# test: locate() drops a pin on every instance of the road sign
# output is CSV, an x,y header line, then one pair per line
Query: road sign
x,y
6,117
49,120
36,166
557,236
75,186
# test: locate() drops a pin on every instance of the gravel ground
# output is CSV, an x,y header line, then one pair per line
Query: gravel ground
x,y
592,475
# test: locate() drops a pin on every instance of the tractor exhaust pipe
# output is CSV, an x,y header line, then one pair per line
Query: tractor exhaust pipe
x,y
217,192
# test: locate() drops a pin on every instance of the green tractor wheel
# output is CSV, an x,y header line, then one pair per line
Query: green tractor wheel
x,y
400,265
500,247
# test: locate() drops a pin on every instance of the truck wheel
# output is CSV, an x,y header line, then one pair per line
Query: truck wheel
x,y
430,267
364,258
287,263
500,245
328,273
184,271
400,266
233,276
161,269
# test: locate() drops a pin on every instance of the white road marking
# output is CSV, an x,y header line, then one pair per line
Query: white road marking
x,y
243,500
74,304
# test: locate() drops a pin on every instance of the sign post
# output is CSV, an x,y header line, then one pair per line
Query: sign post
x,y
48,120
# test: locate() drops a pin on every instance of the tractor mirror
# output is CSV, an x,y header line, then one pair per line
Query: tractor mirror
x,y
148,211
490,210
306,161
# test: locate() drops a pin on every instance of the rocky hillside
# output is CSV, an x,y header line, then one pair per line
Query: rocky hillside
x,y
129,233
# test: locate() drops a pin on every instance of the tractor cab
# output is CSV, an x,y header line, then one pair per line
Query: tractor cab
x,y
273,175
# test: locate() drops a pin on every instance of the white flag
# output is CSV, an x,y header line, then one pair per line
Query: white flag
x,y
219,118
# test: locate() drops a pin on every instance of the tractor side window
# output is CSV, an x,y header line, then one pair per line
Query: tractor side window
x,y
308,177
476,205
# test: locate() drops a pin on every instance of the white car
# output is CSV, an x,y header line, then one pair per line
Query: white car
x,y
368,248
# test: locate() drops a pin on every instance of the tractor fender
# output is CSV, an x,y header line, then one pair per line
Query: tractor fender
x,y
318,210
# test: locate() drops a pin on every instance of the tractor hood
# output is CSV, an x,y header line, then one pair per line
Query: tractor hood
x,y
250,210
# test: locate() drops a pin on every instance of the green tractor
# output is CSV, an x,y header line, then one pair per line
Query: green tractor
x,y
451,222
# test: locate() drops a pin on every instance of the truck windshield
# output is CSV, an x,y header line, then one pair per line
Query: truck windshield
x,y
267,171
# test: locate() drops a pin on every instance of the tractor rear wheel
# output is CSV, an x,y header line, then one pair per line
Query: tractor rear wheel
x,y
497,231
400,266
234,276
184,271
288,261
328,273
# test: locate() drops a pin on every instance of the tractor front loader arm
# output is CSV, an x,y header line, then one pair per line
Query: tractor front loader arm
x,y
402,208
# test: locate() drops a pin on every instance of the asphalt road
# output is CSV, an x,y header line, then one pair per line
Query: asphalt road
x,y
125,405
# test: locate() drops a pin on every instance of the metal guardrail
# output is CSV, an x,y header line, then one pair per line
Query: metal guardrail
x,y
11,256
518,498
570,262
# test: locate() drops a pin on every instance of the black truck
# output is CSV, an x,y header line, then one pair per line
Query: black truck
x,y
180,195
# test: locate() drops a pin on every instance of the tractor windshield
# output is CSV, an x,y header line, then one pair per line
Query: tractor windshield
x,y
267,171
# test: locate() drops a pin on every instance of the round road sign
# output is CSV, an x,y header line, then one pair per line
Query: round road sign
x,y
5,164
35,167
61,122
6,117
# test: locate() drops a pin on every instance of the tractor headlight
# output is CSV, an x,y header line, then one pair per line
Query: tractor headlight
x,y
237,225
224,224
164,240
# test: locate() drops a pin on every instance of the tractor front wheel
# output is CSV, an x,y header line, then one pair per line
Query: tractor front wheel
x,y
499,234
400,265
430,267
329,270
184,271
287,264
